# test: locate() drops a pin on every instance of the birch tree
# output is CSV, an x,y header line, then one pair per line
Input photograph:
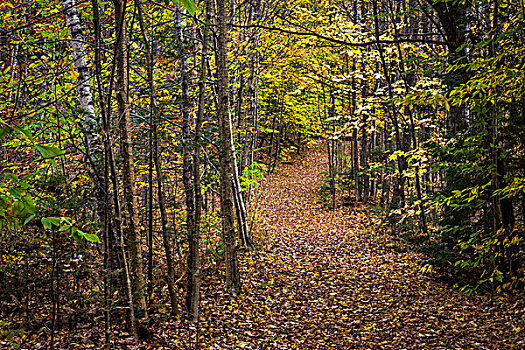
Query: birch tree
x,y
226,158
91,124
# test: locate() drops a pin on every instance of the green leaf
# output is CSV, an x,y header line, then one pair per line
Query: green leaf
x,y
4,130
54,220
49,151
92,237
77,234
189,5
47,224
28,177
77,238
64,228
15,193
24,132
29,219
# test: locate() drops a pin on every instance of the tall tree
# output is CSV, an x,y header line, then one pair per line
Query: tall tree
x,y
155,154
226,158
131,215
91,123
187,173
194,266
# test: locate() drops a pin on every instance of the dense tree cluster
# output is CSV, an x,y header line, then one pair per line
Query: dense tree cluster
x,y
422,105
133,134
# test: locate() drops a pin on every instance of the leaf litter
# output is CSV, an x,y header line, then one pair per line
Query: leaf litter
x,y
323,279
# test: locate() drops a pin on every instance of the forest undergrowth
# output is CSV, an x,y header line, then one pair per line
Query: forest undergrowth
x,y
325,279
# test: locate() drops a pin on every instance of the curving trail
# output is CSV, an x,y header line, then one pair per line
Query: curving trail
x,y
325,280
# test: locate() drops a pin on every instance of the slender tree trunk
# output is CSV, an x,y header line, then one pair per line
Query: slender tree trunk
x,y
194,268
157,165
254,111
186,138
111,173
232,283
385,184
128,168
410,80
54,292
272,136
355,131
107,200
125,271
399,188
240,207
332,157
365,178
151,144
91,125
166,239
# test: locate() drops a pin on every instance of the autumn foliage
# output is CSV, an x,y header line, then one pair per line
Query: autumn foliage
x,y
308,174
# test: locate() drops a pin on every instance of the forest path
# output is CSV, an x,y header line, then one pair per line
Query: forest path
x,y
325,280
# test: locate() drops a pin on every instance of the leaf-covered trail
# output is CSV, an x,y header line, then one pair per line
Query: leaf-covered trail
x,y
326,281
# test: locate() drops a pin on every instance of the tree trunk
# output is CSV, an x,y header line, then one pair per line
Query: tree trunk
x,y
91,126
166,239
453,19
232,283
128,168
108,241
155,158
365,177
398,192
194,276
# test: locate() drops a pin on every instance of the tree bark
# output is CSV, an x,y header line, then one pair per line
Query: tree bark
x,y
232,283
91,126
128,168
194,270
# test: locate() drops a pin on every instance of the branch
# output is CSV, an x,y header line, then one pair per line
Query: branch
x,y
339,41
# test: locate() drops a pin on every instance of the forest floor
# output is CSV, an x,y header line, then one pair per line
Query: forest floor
x,y
321,279
324,279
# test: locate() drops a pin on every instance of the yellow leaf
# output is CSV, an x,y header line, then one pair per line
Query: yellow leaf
x,y
73,75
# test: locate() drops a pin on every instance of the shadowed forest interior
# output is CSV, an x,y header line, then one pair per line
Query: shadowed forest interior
x,y
315,174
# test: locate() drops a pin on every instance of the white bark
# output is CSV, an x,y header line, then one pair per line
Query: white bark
x,y
92,131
